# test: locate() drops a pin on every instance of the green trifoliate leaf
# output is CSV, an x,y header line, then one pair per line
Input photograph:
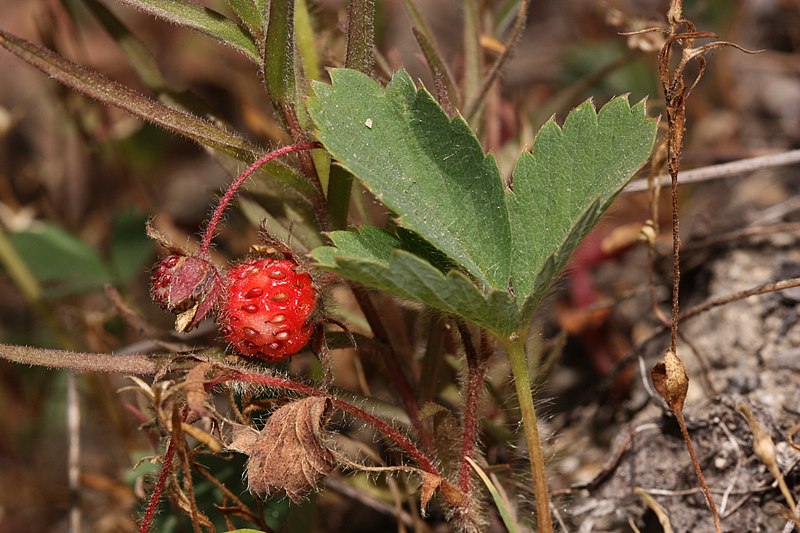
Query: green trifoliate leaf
x,y
455,217
374,258
565,184
430,170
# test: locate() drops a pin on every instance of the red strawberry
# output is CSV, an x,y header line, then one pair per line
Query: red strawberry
x,y
266,307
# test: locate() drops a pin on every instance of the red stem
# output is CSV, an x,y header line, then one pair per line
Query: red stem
x,y
476,372
393,367
155,497
283,383
234,187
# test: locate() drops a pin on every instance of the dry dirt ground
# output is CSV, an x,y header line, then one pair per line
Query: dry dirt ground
x,y
751,349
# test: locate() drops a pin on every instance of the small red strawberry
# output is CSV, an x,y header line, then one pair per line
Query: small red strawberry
x,y
190,285
266,307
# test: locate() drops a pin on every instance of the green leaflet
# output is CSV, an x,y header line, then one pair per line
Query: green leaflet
x,y
589,160
374,258
430,170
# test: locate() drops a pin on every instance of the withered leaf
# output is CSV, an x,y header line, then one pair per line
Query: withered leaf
x,y
452,494
193,288
195,388
430,482
194,291
290,454
671,381
242,439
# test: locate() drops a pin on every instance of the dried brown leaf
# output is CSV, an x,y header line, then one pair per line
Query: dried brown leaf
x,y
195,388
290,454
242,439
430,484
452,495
671,381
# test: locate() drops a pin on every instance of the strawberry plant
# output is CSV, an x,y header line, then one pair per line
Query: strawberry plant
x,y
467,253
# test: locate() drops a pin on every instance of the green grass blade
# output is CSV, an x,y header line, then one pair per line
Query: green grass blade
x,y
506,513
304,35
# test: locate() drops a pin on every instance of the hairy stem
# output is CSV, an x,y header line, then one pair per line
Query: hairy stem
x,y
360,35
519,368
393,366
706,491
476,372
234,187
299,136
155,496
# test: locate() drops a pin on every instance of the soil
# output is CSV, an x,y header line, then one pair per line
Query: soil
x,y
751,350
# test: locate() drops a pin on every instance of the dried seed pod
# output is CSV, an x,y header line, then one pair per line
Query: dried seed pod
x,y
185,284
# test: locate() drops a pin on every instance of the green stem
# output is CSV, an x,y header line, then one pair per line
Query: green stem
x,y
472,51
360,35
515,346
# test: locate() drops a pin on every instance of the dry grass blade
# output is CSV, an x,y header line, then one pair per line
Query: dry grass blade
x,y
723,170
663,519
